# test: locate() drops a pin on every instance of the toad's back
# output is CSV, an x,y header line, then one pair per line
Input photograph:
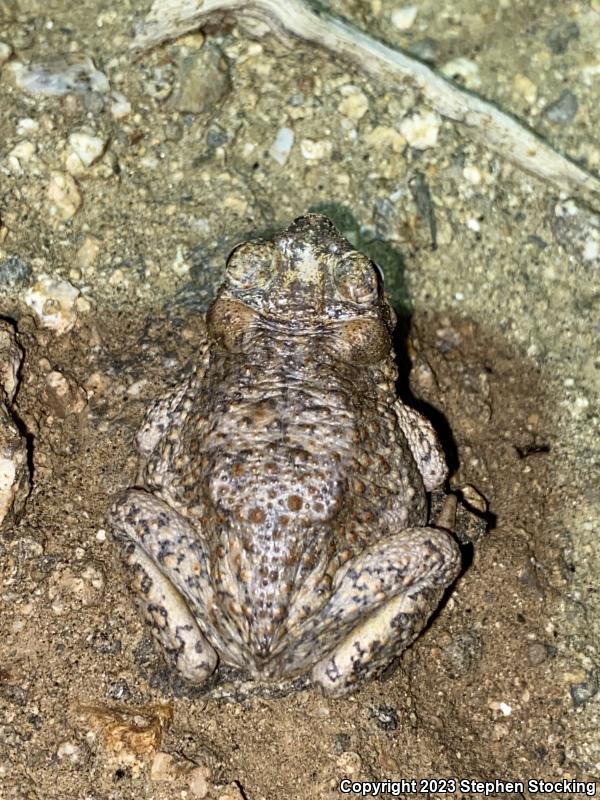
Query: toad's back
x,y
279,516
291,459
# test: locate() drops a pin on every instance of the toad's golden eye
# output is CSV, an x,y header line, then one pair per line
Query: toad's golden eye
x,y
356,279
249,263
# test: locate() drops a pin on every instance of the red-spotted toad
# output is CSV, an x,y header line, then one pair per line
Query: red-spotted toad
x,y
280,519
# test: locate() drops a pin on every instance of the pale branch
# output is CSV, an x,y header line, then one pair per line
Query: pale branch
x,y
293,19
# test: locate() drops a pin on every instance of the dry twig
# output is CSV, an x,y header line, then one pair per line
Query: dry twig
x,y
293,19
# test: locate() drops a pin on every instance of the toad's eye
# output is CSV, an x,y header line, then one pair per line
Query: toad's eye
x,y
249,263
358,279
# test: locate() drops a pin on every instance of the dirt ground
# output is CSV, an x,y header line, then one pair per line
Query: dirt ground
x,y
499,303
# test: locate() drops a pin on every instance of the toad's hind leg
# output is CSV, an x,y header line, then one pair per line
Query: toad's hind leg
x,y
160,550
382,599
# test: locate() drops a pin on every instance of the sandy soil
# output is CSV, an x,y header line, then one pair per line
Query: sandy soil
x,y
504,683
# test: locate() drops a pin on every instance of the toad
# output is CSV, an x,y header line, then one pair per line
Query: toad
x,y
279,522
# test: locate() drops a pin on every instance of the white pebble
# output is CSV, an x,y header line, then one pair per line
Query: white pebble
x,y
27,126
10,361
421,130
86,146
120,106
355,103
403,18
88,252
163,767
53,302
63,195
472,174
13,462
19,155
591,248
68,750
385,138
180,266
505,709
464,69
282,146
14,474
315,149
5,51
198,781
473,225
23,150
59,77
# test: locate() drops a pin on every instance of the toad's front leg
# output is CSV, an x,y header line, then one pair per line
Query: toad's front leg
x,y
381,601
167,565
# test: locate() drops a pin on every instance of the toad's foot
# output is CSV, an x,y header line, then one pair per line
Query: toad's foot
x,y
388,592
146,529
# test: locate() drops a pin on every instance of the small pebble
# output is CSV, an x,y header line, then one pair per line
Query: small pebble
x,y
173,131
87,146
14,471
198,781
425,49
63,196
27,126
14,271
464,71
562,110
282,146
403,18
537,653
421,130
163,767
5,52
355,103
525,87
314,150
559,37
474,498
350,764
584,691
472,174
385,138
93,102
120,106
10,360
53,302
88,252
68,750
204,81
21,153
577,230
180,265
385,717
60,76
231,792
14,475
63,396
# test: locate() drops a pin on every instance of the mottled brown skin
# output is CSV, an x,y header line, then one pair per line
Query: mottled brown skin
x,y
281,521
